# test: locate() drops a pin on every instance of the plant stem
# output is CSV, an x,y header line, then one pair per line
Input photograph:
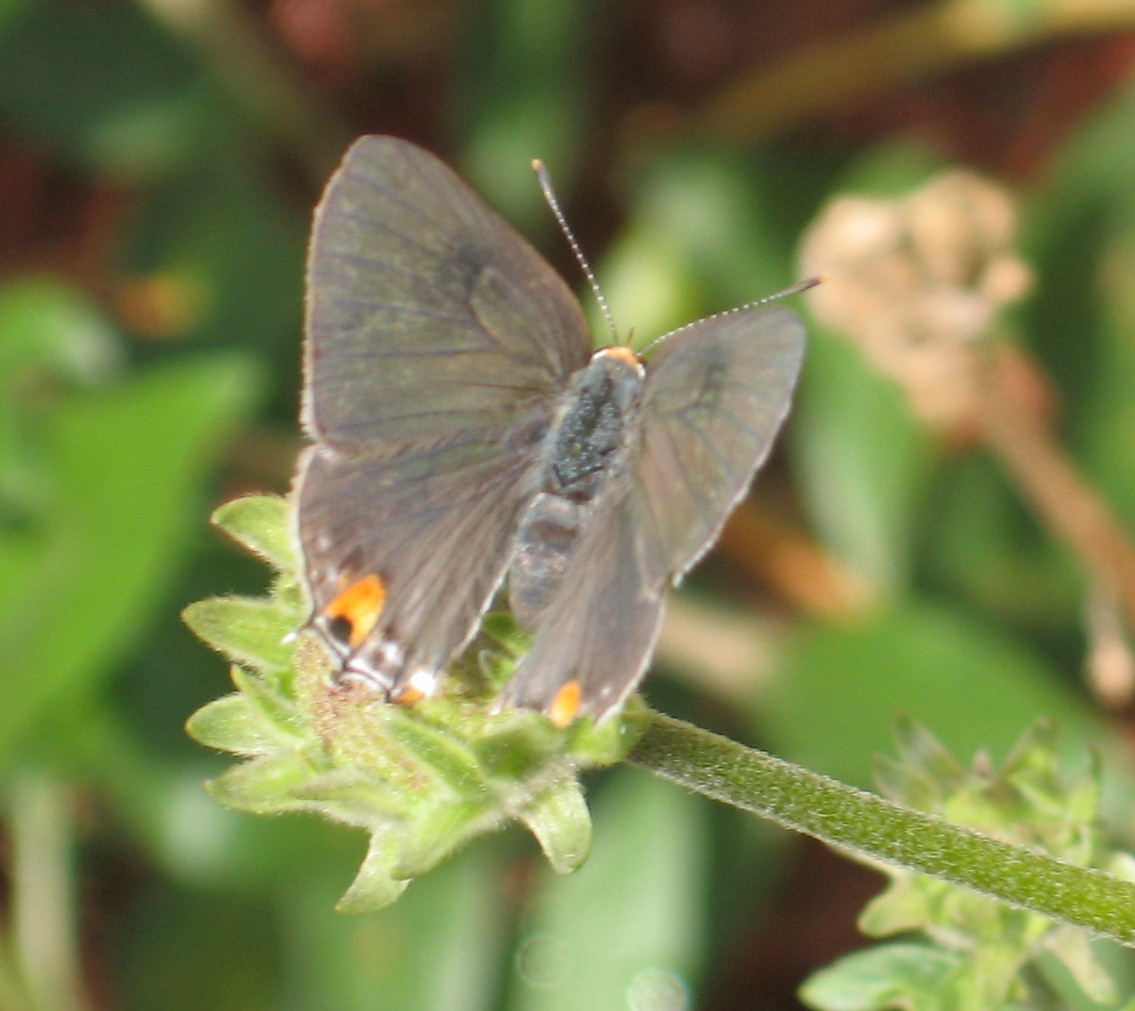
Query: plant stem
x,y
43,892
1069,506
844,816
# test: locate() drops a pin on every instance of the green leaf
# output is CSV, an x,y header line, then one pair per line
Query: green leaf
x,y
375,886
908,976
523,100
438,751
839,687
134,113
360,799
10,9
234,724
266,785
647,281
43,322
920,750
52,338
261,523
429,839
628,925
862,461
1074,950
560,821
903,906
248,630
979,543
274,703
908,786
127,460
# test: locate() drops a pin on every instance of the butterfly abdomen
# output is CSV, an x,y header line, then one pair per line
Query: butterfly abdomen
x,y
584,448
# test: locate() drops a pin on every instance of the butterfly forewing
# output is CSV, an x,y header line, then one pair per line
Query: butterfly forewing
x,y
716,395
427,314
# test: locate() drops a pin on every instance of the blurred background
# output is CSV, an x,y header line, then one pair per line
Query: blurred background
x,y
967,564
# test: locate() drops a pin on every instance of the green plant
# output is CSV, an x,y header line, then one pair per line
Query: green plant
x,y
426,778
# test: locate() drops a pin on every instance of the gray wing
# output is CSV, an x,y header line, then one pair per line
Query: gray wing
x,y
600,630
715,396
717,393
434,526
427,315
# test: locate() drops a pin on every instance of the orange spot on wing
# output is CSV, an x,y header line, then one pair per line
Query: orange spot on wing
x,y
408,696
565,706
360,605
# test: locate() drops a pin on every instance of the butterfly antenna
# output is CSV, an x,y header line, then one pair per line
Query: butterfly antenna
x,y
796,289
545,181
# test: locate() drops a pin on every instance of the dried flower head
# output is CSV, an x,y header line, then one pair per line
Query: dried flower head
x,y
917,283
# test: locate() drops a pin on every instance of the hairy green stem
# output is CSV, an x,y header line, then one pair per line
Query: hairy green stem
x,y
844,816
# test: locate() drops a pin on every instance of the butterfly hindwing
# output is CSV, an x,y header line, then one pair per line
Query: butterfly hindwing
x,y
433,527
595,640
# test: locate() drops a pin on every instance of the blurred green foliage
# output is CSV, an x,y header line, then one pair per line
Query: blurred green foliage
x,y
974,951
138,393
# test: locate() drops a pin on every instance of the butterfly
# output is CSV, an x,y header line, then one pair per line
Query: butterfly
x,y
468,440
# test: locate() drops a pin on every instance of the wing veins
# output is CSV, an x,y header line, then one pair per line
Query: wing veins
x,y
708,442
691,490
409,310
472,322
348,426
390,192
688,413
370,261
416,353
368,221
466,384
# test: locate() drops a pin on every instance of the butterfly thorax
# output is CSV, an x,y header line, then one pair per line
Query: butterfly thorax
x,y
588,438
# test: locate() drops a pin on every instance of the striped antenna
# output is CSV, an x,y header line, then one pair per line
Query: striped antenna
x,y
796,289
545,181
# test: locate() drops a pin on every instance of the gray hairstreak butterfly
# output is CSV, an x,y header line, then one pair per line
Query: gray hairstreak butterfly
x,y
467,439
